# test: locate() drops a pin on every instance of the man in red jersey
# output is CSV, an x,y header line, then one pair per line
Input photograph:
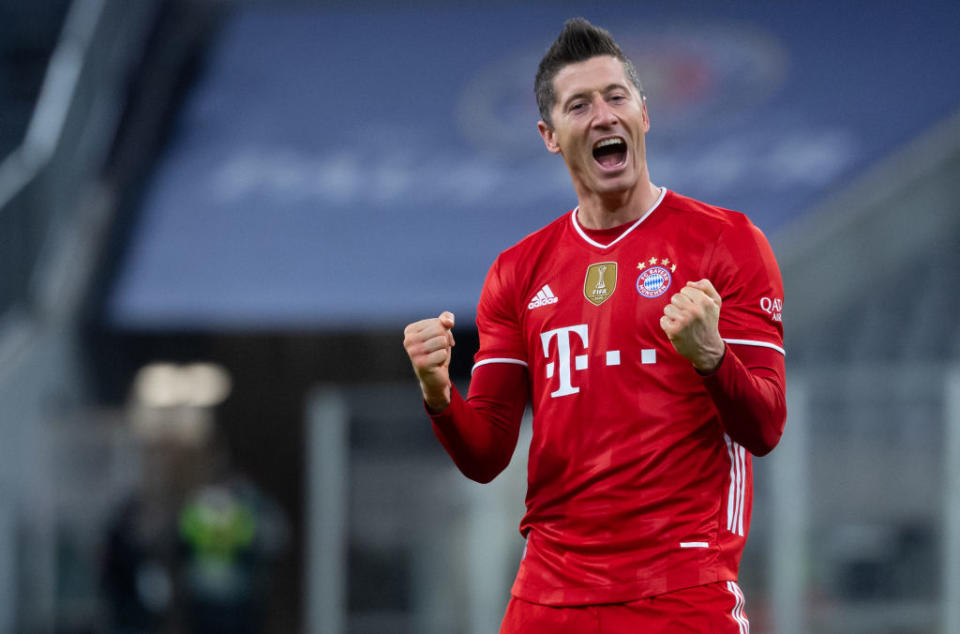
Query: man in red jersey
x,y
645,329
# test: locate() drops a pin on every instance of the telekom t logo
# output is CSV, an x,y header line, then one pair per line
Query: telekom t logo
x,y
563,355
564,337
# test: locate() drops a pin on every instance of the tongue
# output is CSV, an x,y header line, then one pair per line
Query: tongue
x,y
609,158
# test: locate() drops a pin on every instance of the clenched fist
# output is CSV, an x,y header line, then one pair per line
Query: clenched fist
x,y
691,321
428,343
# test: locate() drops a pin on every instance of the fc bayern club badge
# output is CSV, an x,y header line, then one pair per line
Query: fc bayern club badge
x,y
653,281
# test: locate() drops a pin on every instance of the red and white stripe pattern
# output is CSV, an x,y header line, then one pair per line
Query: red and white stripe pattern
x,y
737,613
738,483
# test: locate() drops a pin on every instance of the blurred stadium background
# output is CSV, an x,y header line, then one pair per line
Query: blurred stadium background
x,y
216,218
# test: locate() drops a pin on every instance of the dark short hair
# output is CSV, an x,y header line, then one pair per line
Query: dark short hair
x,y
579,41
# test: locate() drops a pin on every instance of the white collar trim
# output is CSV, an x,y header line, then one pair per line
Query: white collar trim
x,y
583,234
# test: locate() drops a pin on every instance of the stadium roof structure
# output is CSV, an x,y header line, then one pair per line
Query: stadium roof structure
x,y
347,169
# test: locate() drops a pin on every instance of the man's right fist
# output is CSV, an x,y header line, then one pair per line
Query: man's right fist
x,y
428,343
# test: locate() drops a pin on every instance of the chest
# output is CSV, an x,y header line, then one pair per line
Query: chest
x,y
616,294
597,312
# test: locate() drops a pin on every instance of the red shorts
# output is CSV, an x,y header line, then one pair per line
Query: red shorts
x,y
716,608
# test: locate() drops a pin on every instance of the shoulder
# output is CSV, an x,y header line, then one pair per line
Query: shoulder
x,y
710,217
533,243
730,231
520,260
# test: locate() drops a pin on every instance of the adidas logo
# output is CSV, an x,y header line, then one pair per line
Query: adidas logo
x,y
543,297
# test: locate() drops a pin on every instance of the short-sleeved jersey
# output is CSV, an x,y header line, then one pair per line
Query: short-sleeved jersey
x,y
634,489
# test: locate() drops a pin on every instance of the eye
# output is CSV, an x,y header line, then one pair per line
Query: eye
x,y
577,106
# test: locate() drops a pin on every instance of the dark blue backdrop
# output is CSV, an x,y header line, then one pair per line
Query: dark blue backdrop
x,y
355,169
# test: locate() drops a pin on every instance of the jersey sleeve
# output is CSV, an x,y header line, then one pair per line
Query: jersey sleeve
x,y
498,324
748,390
480,432
745,273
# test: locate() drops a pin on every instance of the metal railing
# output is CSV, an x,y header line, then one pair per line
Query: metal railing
x,y
44,184
68,135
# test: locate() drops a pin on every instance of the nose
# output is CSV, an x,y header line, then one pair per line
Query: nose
x,y
604,115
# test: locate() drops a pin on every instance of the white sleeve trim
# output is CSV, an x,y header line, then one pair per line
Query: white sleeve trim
x,y
497,360
759,344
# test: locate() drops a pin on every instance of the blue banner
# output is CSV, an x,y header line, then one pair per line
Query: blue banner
x,y
360,168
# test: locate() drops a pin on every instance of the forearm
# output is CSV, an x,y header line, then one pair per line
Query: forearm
x,y
480,432
748,392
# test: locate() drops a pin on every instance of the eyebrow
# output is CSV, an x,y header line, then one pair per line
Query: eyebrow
x,y
585,93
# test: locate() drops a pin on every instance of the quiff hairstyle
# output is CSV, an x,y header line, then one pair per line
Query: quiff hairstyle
x,y
578,42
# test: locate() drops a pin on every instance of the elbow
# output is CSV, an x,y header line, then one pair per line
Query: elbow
x,y
763,446
771,434
482,475
484,471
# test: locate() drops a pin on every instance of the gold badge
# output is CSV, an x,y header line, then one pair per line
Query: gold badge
x,y
601,282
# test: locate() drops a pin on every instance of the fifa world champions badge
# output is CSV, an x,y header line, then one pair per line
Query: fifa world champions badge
x,y
600,282
655,278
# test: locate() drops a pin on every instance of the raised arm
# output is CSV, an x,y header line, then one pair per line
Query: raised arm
x,y
429,344
480,432
747,386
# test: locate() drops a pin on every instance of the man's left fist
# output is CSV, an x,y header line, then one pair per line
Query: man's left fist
x,y
691,321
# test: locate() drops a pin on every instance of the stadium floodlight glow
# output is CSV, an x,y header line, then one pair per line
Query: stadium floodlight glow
x,y
157,385
164,385
204,384
172,402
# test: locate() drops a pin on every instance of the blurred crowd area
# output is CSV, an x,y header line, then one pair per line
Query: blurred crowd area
x,y
208,423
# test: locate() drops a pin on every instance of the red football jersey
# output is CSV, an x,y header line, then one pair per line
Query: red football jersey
x,y
634,489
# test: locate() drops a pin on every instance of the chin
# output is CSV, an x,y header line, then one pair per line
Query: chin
x,y
617,185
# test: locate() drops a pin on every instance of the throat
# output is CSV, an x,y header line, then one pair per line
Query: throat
x,y
615,209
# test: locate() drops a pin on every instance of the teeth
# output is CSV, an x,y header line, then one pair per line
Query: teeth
x,y
606,142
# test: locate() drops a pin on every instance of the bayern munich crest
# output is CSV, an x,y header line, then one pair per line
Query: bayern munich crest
x,y
653,281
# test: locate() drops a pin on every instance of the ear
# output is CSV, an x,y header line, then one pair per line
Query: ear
x,y
549,137
646,117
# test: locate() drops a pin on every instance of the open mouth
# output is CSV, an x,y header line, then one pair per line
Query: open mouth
x,y
610,152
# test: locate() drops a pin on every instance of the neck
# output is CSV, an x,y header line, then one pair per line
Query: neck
x,y
603,211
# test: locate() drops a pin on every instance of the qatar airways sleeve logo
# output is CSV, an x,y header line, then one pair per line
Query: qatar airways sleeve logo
x,y
773,307
567,362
